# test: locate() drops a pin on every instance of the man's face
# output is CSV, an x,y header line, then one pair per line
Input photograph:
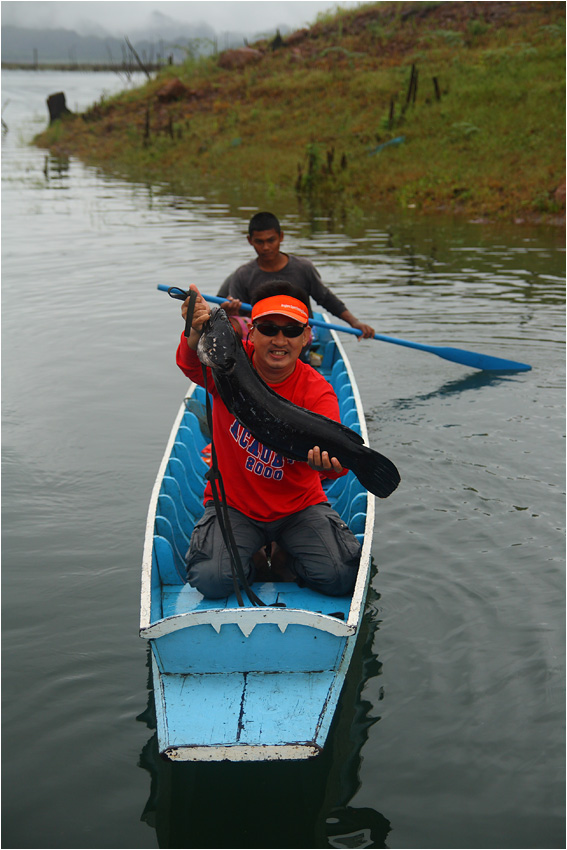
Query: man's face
x,y
275,356
266,243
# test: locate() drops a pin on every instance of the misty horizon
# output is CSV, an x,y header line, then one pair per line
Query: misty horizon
x,y
164,18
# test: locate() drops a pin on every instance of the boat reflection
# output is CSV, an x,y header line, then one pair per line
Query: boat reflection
x,y
273,804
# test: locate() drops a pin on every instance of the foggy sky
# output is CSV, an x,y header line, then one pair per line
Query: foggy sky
x,y
114,16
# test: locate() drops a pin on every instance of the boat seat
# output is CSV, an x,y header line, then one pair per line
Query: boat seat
x,y
165,529
170,487
191,422
302,597
167,562
194,447
338,370
330,354
200,394
341,381
342,385
166,508
181,599
342,501
358,502
192,460
185,599
333,487
357,524
346,405
344,393
192,502
350,419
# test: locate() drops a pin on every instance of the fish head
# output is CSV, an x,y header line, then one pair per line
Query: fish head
x,y
219,343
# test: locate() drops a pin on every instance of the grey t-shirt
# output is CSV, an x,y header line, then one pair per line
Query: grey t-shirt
x,y
244,281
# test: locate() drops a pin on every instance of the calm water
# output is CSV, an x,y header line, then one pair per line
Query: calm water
x,y
450,732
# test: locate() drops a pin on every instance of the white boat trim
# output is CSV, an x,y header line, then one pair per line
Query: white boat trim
x,y
247,619
363,576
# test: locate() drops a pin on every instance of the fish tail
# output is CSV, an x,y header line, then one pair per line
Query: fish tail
x,y
375,472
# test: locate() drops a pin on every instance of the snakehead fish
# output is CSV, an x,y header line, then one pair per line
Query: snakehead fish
x,y
276,422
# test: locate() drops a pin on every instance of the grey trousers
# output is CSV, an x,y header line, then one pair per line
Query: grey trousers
x,y
324,553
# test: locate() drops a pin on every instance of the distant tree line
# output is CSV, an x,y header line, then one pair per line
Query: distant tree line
x,y
38,47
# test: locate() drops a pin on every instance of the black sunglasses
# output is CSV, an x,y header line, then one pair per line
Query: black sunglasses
x,y
271,329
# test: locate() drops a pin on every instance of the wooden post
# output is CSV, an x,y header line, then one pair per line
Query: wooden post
x,y
57,106
391,117
330,157
436,87
147,127
410,87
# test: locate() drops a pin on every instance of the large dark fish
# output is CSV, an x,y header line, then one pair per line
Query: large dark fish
x,y
278,423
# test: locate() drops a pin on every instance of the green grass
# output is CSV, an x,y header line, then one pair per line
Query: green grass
x,y
493,145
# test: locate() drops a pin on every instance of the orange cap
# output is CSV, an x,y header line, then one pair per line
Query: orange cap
x,y
282,305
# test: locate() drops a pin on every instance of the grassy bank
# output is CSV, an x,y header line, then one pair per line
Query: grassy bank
x,y
458,107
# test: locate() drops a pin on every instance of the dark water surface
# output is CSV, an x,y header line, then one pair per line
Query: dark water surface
x,y
450,732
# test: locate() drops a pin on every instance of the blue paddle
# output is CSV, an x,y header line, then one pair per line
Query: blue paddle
x,y
456,355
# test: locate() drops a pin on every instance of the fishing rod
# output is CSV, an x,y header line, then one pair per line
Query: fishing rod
x,y
484,362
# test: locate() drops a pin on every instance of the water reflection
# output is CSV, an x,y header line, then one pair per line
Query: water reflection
x,y
476,381
56,170
273,804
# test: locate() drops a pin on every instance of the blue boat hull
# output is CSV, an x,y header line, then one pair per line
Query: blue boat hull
x,y
245,683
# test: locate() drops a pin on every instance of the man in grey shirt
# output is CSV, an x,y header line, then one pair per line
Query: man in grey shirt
x,y
265,235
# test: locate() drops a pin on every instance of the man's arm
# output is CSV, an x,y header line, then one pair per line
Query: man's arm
x,y
232,305
367,331
329,301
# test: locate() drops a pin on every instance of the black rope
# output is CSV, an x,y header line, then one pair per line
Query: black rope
x,y
190,311
177,293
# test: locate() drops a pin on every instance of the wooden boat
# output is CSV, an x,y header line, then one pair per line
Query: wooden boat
x,y
246,683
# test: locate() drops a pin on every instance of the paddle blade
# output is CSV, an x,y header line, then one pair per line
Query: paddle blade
x,y
479,361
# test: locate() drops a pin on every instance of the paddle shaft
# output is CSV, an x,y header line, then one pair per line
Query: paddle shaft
x,y
456,355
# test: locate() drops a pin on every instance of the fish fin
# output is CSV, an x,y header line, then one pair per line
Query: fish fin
x,y
352,435
376,473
